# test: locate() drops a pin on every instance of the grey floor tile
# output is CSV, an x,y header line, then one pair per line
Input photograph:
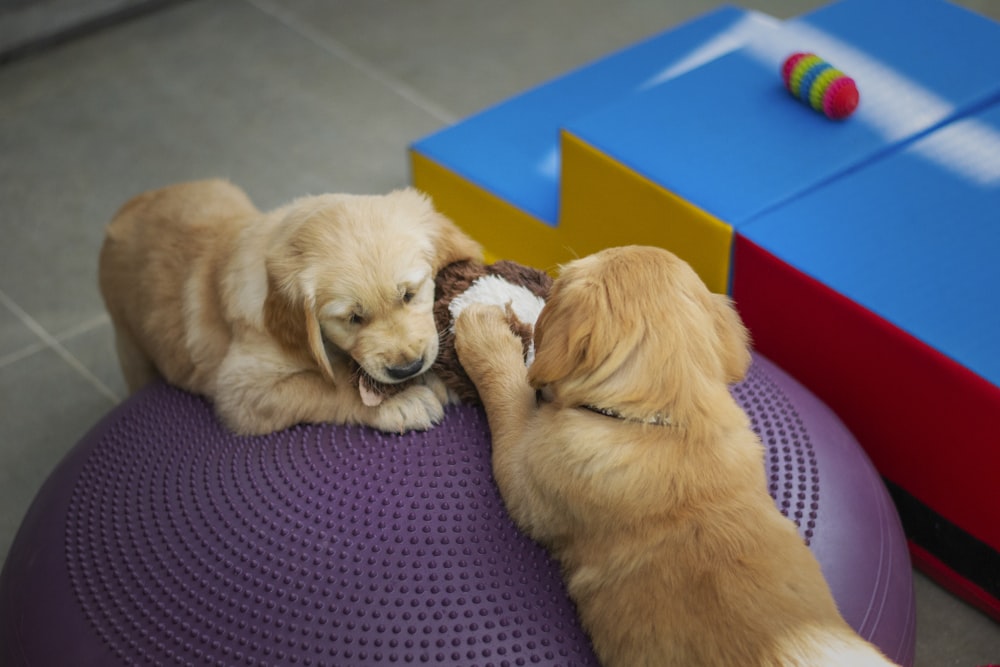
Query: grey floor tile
x,y
92,344
201,89
15,337
949,632
45,408
989,8
24,23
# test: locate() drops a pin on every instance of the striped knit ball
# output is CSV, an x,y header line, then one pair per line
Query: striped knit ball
x,y
818,84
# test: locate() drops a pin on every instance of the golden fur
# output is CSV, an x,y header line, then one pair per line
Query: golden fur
x,y
671,546
262,312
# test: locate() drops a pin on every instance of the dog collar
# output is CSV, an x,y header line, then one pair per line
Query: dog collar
x,y
657,419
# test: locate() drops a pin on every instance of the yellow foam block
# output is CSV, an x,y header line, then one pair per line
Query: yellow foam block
x,y
505,231
602,204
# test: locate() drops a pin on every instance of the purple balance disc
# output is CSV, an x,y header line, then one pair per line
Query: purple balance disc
x,y
164,539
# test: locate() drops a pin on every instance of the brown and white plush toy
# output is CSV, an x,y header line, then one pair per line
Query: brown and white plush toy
x,y
520,290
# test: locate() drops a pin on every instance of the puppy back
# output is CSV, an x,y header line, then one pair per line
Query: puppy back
x,y
162,249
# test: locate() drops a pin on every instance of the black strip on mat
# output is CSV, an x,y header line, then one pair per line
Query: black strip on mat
x,y
969,557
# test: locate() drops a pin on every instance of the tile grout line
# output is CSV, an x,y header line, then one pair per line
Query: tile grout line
x,y
23,353
84,326
38,346
338,50
49,341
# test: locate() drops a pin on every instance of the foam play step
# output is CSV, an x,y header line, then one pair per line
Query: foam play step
x,y
838,230
682,138
498,172
879,292
687,163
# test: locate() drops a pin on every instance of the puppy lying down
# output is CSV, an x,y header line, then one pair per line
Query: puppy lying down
x,y
622,450
271,315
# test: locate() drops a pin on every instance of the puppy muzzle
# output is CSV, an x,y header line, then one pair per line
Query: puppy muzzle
x,y
405,371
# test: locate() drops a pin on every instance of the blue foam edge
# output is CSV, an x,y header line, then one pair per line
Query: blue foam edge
x,y
912,238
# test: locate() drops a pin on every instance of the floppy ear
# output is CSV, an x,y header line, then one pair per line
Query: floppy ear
x,y
452,244
734,339
564,335
314,336
294,324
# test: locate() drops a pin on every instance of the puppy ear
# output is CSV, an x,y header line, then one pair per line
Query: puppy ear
x,y
734,339
314,336
293,323
564,332
452,244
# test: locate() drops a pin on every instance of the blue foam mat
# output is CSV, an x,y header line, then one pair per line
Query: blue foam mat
x,y
512,149
728,138
912,238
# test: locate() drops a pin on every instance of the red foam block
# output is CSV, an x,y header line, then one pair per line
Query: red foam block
x,y
929,424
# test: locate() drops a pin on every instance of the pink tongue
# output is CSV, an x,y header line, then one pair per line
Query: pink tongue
x,y
369,396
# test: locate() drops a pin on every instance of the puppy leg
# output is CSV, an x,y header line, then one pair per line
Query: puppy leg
x,y
493,358
254,396
416,408
445,395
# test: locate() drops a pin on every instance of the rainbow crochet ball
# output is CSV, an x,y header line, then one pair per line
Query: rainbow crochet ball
x,y
820,85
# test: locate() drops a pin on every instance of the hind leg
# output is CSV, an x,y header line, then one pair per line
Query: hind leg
x,y
137,368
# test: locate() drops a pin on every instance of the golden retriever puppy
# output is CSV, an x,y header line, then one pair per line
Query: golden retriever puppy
x,y
622,451
270,315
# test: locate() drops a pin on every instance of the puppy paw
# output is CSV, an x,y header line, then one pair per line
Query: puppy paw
x,y
483,329
416,408
444,393
485,343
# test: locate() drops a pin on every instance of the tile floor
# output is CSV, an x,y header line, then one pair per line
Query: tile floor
x,y
285,97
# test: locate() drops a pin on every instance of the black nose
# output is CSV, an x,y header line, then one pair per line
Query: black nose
x,y
403,372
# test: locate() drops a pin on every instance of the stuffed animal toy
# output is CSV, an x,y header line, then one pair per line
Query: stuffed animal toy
x,y
519,289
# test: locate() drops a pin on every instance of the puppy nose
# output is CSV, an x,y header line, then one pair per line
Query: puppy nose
x,y
403,372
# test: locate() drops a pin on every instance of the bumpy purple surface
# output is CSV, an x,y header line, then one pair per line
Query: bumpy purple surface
x,y
164,539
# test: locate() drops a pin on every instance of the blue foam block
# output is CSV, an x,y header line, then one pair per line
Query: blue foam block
x,y
912,238
512,149
730,139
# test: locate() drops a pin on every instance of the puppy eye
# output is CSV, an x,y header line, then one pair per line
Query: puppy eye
x,y
355,319
408,296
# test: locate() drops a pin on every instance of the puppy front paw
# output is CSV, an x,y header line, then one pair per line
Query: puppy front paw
x,y
445,394
416,408
486,346
483,331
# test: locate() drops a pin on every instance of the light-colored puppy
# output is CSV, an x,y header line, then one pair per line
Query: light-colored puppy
x,y
263,312
622,450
